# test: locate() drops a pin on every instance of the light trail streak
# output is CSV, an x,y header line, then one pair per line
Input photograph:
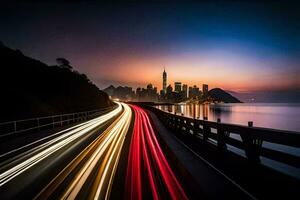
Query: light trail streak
x,y
28,159
106,150
146,155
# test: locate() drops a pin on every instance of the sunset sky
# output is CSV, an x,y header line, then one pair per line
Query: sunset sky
x,y
242,47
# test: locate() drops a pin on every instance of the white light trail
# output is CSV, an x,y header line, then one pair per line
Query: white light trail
x,y
101,156
112,144
42,151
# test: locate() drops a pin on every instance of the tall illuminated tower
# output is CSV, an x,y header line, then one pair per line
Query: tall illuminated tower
x,y
164,81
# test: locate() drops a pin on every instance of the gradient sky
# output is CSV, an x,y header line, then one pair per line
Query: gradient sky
x,y
238,46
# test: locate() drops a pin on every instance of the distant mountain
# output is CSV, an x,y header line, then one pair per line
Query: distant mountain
x,y
121,92
109,90
30,88
217,94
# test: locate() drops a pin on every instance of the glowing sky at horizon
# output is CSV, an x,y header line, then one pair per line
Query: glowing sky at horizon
x,y
222,44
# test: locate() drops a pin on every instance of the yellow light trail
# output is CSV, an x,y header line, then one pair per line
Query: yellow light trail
x,y
106,150
18,165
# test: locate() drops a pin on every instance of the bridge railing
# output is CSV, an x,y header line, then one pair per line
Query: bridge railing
x,y
251,138
38,123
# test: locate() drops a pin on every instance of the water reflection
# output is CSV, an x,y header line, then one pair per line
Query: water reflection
x,y
190,110
272,115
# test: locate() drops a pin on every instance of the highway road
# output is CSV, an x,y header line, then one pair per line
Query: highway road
x,y
31,174
91,173
115,156
81,162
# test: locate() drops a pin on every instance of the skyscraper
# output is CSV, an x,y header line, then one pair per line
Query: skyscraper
x,y
205,89
194,92
169,90
177,86
185,91
164,82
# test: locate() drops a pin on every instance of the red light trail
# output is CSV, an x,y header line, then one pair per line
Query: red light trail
x,y
147,165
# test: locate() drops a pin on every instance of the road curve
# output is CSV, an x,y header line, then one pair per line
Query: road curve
x,y
33,156
148,172
27,171
95,166
81,162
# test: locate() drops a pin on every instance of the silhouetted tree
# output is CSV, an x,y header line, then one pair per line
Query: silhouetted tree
x,y
63,63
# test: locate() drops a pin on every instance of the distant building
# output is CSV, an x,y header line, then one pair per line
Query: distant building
x,y
147,94
161,93
123,93
110,90
185,91
205,89
194,92
178,87
155,90
149,86
138,93
165,82
169,89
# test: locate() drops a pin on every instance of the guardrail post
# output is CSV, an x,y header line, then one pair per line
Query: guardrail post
x,y
252,146
175,121
185,125
196,129
170,121
206,130
52,122
190,125
221,136
177,125
61,123
181,124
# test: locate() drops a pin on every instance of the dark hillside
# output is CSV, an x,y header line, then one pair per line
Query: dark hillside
x,y
217,94
30,88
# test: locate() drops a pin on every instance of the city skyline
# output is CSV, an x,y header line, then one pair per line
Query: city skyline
x,y
178,93
179,100
221,44
176,85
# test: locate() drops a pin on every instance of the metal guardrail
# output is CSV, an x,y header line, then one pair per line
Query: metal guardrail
x,y
251,141
24,125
